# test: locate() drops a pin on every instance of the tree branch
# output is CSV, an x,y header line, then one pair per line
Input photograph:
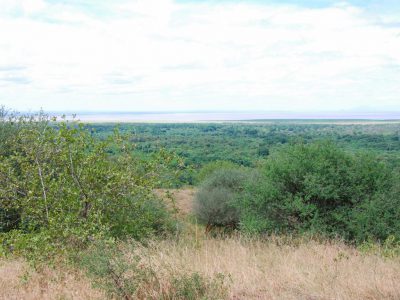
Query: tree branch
x,y
43,188
86,207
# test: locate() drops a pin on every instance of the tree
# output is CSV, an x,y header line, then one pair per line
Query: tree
x,y
61,186
314,188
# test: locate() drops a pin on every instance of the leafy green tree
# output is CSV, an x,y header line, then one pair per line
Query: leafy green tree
x,y
60,186
315,188
379,217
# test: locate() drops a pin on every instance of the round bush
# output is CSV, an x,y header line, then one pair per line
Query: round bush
x,y
319,188
215,199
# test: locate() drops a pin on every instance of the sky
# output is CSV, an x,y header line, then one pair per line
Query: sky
x,y
165,55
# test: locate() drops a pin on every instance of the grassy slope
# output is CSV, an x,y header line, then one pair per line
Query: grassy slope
x,y
279,268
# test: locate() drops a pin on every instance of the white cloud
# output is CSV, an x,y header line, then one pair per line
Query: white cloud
x,y
161,55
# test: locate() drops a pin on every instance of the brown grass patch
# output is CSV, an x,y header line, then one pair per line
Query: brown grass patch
x,y
19,281
255,269
182,198
277,268
280,270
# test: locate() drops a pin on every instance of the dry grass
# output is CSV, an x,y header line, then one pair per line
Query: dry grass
x,y
277,268
19,281
183,198
273,269
268,270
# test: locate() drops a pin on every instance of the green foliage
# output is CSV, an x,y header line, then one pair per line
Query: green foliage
x,y
389,248
379,217
319,188
246,143
195,286
124,275
60,186
215,198
211,167
119,274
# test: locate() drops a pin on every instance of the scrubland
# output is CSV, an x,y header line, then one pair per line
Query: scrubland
x,y
240,267
93,216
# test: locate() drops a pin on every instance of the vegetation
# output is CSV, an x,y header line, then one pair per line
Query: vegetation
x,y
246,144
124,274
315,188
209,168
253,268
215,198
320,189
320,199
61,187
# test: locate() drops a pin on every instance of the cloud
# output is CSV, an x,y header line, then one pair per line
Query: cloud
x,y
188,66
8,68
229,55
13,75
122,79
16,80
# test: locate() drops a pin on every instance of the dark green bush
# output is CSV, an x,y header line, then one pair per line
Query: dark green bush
x,y
216,196
379,217
319,188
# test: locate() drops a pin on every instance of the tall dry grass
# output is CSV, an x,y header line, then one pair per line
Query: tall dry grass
x,y
276,268
279,270
19,281
254,269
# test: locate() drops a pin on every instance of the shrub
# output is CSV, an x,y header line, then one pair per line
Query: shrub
x,y
117,274
195,286
62,185
125,275
215,198
321,189
379,217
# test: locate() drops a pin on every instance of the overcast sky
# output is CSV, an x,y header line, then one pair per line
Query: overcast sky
x,y
164,55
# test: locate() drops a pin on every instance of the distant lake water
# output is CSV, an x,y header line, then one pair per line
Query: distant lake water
x,y
229,116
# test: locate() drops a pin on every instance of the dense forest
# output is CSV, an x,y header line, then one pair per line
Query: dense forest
x,y
247,143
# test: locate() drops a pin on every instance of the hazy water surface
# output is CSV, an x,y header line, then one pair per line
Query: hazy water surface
x,y
229,116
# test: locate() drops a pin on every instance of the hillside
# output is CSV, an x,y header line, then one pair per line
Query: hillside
x,y
276,268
